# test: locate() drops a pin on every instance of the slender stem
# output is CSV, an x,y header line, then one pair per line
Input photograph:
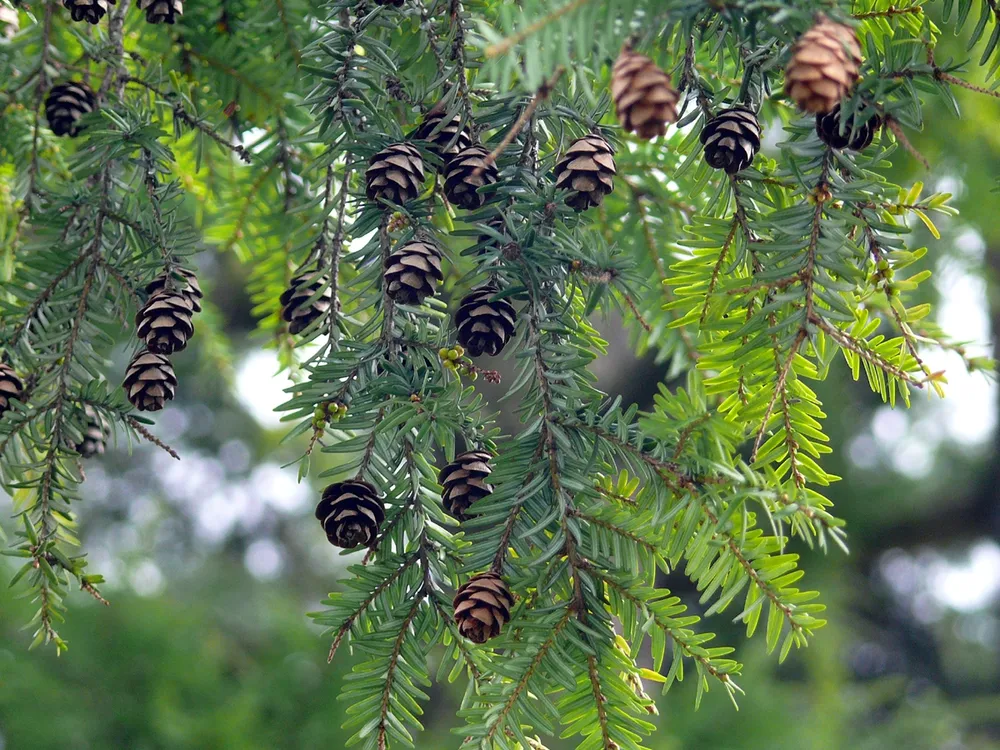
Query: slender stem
x,y
541,95
505,45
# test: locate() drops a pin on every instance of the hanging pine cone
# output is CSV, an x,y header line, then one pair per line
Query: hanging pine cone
x,y
645,99
91,11
731,139
464,481
95,433
162,11
482,607
449,139
484,325
412,272
395,174
350,513
825,64
149,381
164,322
300,305
466,172
65,104
587,170
11,387
187,285
854,138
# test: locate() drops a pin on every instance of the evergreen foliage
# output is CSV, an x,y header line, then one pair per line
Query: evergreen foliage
x,y
250,126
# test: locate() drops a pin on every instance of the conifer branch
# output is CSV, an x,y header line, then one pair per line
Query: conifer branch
x,y
336,244
600,700
523,119
624,533
345,627
40,87
504,46
498,721
397,649
675,634
151,438
654,255
456,13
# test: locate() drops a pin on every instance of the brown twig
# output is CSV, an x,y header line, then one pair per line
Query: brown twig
x,y
505,45
541,95
149,437
897,130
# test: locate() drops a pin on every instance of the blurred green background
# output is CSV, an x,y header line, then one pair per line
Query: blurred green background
x,y
213,561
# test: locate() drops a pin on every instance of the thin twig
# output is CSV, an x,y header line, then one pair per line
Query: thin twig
x,y
140,428
541,95
504,46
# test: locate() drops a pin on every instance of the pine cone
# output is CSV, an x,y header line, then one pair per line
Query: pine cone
x,y
824,67
187,285
11,387
395,174
162,11
645,100
149,381
464,481
465,173
91,11
412,272
484,326
587,169
164,322
855,138
482,607
66,104
299,303
350,513
450,138
95,433
731,139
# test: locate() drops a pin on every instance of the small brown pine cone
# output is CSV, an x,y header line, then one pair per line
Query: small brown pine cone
x,y
11,387
731,139
854,138
484,325
412,272
95,433
825,65
149,381
91,11
300,305
645,99
164,322
443,140
587,170
395,174
463,481
350,513
183,282
482,607
65,104
466,172
162,11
